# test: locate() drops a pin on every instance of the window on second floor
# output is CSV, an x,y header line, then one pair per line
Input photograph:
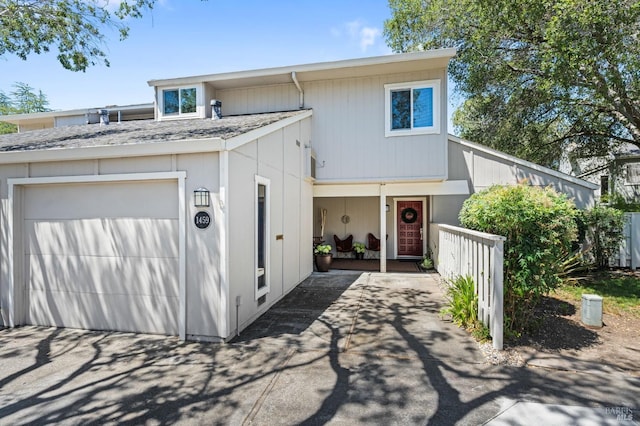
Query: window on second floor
x,y
412,108
633,174
179,101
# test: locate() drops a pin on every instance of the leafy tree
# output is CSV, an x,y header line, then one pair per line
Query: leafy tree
x,y
73,27
540,77
23,99
540,226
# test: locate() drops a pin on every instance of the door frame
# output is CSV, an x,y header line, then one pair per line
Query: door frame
x,y
425,229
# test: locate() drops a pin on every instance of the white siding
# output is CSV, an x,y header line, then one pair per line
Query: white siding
x,y
101,232
483,169
348,127
279,158
253,100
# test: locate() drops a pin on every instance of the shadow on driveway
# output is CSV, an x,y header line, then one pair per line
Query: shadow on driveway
x,y
340,349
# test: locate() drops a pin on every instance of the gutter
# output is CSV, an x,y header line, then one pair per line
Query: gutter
x,y
295,81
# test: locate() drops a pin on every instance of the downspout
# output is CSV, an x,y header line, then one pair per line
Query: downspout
x,y
297,83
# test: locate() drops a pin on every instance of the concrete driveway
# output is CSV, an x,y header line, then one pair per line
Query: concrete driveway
x,y
342,348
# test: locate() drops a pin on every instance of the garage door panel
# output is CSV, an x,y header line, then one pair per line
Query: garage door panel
x,y
102,200
146,314
104,275
103,256
103,237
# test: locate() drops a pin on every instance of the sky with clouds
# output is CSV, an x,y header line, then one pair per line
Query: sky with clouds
x,y
191,37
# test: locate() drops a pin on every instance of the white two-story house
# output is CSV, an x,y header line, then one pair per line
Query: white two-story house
x,y
194,223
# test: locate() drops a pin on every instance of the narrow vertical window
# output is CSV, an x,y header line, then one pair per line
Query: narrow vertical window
x,y
604,186
262,236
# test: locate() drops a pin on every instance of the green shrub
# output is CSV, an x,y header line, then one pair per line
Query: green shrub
x,y
604,233
462,302
540,226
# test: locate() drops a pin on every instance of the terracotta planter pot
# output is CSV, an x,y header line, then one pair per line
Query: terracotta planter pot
x,y
323,262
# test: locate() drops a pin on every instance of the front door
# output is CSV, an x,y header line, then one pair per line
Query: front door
x,y
410,228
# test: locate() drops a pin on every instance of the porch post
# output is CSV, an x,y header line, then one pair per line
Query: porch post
x,y
383,228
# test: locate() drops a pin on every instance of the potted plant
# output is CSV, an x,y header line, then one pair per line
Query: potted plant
x,y
323,257
358,249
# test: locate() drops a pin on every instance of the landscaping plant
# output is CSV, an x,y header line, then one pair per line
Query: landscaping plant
x,y
539,226
462,302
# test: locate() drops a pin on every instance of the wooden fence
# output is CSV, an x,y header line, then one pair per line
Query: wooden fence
x,y
463,252
629,254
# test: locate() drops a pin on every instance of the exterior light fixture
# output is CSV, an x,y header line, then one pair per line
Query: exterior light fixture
x,y
388,208
201,197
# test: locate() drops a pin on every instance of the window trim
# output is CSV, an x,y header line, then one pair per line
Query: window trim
x,y
424,84
632,177
179,113
259,292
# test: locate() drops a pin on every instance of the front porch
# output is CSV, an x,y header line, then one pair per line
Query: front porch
x,y
373,265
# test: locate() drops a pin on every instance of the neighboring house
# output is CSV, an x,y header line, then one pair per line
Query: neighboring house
x,y
617,173
46,120
103,227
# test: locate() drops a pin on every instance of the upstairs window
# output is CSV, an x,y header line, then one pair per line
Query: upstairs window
x,y
633,174
412,108
179,101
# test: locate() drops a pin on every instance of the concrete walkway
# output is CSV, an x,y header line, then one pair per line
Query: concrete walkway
x,y
342,348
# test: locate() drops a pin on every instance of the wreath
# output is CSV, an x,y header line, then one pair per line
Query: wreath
x,y
409,215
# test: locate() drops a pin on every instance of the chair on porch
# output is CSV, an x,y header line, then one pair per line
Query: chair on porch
x,y
373,244
343,246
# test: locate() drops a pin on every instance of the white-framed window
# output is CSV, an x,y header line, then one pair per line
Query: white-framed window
x,y
262,203
412,108
179,101
632,174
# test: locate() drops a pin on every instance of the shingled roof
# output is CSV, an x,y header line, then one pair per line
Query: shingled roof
x,y
138,132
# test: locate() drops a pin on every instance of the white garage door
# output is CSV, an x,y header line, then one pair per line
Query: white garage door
x,y
103,256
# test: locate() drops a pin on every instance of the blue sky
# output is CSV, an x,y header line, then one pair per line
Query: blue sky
x,y
190,37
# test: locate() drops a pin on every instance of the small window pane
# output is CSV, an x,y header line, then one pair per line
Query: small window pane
x,y
188,100
423,107
400,109
262,197
170,101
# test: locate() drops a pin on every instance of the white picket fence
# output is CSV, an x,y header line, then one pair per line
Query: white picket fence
x,y
629,253
463,252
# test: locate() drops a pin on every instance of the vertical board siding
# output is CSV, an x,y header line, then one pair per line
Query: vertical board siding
x,y
463,252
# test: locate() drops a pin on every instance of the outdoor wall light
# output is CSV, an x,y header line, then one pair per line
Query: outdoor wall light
x,y
388,208
201,197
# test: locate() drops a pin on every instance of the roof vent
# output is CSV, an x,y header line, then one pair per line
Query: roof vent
x,y
216,109
104,117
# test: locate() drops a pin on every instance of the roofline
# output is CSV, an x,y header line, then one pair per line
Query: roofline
x,y
318,66
522,162
9,118
184,146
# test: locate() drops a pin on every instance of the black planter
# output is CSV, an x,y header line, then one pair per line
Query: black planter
x,y
359,256
323,262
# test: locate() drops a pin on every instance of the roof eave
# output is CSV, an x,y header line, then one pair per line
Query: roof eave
x,y
443,55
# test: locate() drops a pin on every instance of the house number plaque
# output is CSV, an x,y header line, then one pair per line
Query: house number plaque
x,y
202,220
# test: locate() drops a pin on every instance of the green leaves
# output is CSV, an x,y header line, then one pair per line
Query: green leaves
x,y
540,226
540,77
23,99
73,27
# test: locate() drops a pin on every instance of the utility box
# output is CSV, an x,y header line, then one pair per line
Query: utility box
x,y
592,310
